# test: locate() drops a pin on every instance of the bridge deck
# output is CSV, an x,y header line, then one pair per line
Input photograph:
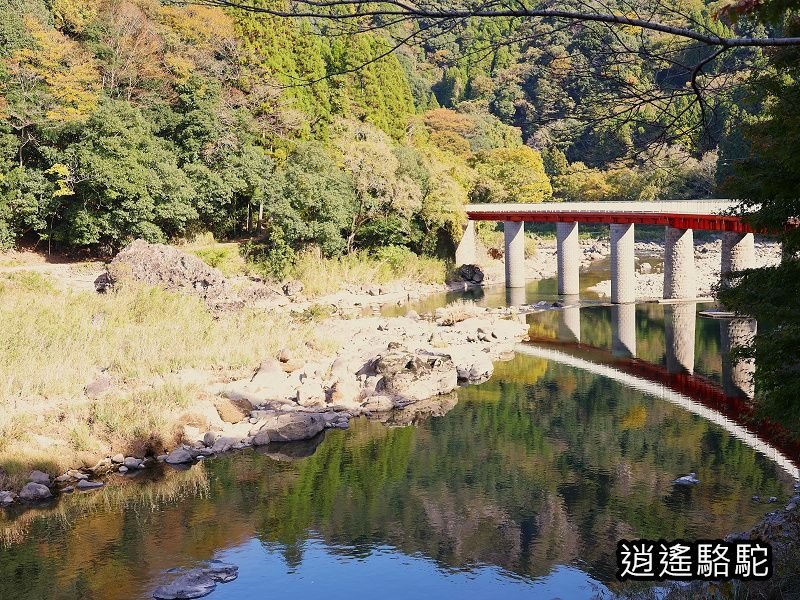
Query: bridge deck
x,y
683,214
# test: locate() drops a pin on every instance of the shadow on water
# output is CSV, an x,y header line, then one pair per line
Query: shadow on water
x,y
520,489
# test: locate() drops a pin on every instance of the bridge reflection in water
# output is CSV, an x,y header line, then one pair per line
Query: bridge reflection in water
x,y
725,398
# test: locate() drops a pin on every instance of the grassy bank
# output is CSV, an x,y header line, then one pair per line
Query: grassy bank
x,y
54,342
321,275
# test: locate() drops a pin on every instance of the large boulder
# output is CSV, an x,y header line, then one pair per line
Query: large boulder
x,y
290,427
412,377
35,492
471,274
165,267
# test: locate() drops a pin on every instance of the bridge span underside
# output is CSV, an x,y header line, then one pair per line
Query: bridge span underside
x,y
679,217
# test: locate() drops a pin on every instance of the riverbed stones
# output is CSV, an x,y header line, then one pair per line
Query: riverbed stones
x,y
39,477
35,492
417,376
179,456
118,459
7,497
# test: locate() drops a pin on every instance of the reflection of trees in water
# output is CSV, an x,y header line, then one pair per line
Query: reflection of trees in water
x,y
541,465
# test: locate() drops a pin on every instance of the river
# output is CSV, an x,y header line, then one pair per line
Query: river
x,y
522,489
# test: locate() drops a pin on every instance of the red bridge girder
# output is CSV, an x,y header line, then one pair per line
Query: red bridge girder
x,y
679,221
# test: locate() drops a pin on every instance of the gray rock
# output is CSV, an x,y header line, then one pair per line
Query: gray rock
x,y
290,427
179,456
123,469
224,444
7,497
645,268
39,477
772,499
471,273
413,315
35,492
132,462
85,484
118,459
261,438
68,489
417,376
198,582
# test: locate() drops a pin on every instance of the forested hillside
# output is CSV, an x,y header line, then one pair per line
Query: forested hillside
x,y
129,118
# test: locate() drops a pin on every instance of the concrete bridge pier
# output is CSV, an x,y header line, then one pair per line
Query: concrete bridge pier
x,y
569,324
466,251
569,258
679,325
514,234
623,271
738,253
737,375
623,330
680,280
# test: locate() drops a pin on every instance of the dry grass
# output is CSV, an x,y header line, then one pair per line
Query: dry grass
x,y
54,342
325,276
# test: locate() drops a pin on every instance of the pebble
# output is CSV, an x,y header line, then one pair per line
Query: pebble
x,y
772,499
118,458
123,469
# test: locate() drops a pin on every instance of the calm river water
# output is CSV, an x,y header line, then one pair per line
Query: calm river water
x,y
522,489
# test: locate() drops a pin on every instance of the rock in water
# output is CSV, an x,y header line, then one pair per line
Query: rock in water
x,y
412,377
689,479
471,273
35,492
179,456
198,582
290,427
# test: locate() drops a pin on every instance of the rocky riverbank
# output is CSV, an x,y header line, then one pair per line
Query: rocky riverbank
x,y
391,369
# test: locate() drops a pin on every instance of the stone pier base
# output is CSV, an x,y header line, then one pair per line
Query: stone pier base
x,y
568,257
623,271
680,280
514,234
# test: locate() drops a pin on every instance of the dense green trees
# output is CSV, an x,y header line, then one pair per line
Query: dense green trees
x,y
767,181
130,118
